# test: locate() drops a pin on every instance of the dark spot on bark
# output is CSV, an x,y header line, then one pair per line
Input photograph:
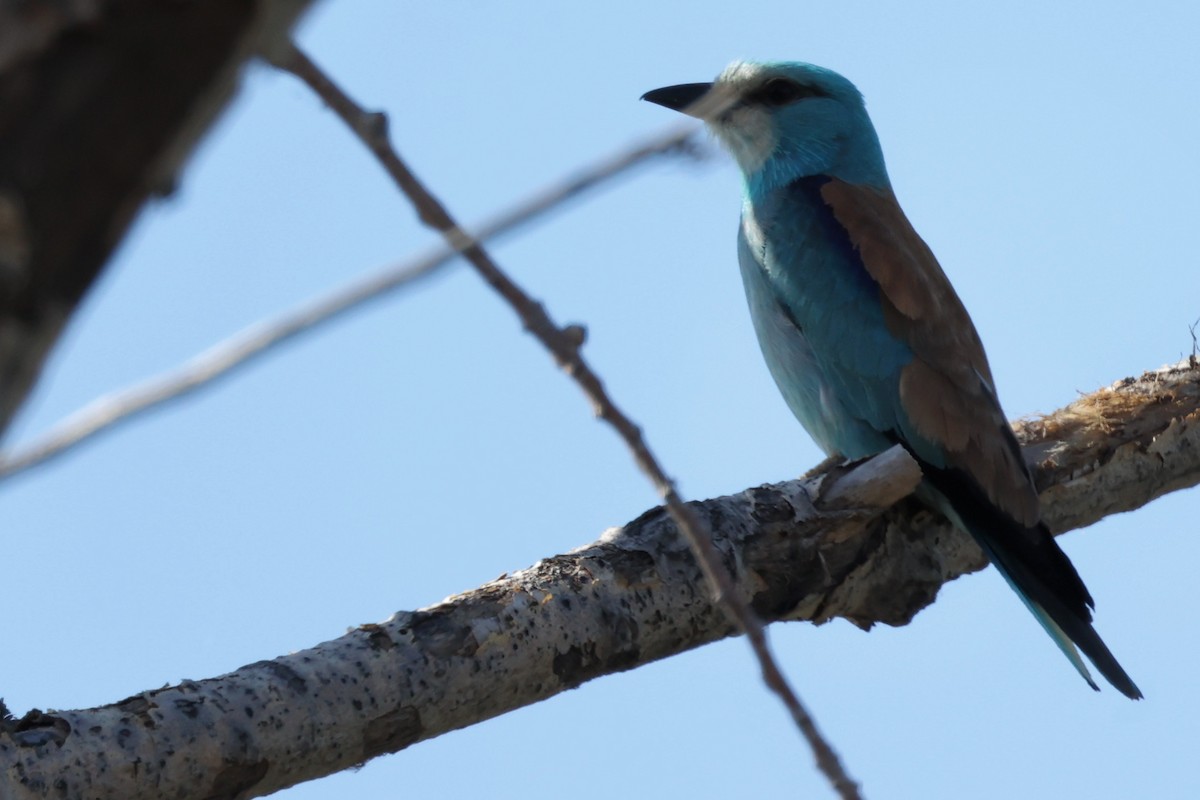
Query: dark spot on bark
x,y
712,513
393,731
623,660
785,589
582,663
569,665
134,705
565,569
794,566
236,778
139,706
633,567
769,505
284,674
189,708
377,637
441,636
36,729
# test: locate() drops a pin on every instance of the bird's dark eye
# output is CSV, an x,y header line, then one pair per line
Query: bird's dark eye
x,y
781,91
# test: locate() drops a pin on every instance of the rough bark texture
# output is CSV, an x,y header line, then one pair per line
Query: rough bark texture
x,y
834,543
100,103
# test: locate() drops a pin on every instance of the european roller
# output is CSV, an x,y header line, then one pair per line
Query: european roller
x,y
863,333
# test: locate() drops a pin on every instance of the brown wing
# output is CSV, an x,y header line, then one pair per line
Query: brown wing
x,y
947,390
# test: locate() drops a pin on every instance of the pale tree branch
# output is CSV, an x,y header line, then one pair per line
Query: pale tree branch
x,y
564,344
832,544
239,350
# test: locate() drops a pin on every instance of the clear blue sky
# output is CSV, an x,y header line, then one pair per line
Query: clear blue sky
x,y
1047,152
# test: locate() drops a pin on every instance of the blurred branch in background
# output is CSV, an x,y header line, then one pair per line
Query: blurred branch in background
x,y
101,103
108,411
831,544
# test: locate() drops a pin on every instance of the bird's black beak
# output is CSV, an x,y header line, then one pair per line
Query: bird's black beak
x,y
679,98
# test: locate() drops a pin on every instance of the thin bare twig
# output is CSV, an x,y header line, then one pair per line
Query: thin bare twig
x,y
106,412
564,345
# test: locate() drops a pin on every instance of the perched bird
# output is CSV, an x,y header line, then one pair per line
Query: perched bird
x,y
864,334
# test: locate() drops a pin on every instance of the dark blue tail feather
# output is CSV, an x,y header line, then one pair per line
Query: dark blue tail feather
x,y
1036,568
